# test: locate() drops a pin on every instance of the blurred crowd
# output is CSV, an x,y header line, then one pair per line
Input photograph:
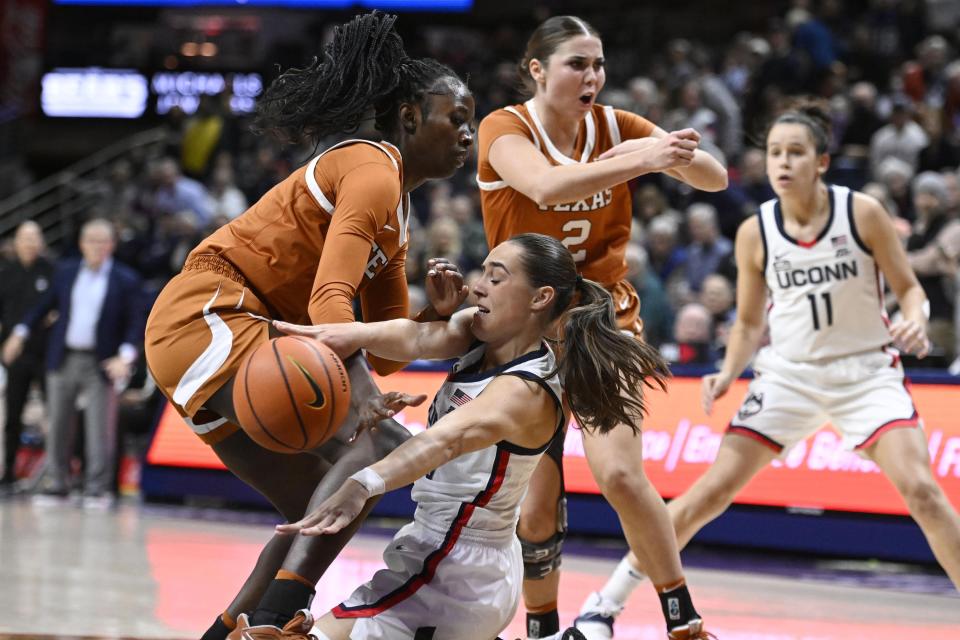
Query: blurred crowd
x,y
890,71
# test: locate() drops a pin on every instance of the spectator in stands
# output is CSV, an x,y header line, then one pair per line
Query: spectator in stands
x,y
175,192
92,347
942,152
863,122
202,134
464,212
668,258
717,296
708,250
933,250
692,337
225,200
655,310
23,281
900,138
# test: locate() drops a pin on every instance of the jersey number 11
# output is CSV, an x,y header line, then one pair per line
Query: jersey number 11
x,y
828,307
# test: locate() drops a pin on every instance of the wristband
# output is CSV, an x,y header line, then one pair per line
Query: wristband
x,y
370,480
926,309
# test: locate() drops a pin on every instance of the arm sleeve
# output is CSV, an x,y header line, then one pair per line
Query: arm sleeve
x,y
365,197
386,299
632,126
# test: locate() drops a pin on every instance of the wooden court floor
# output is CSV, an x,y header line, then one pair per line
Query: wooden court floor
x,y
149,573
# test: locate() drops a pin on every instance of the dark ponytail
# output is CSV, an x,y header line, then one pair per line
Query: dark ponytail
x,y
363,66
603,369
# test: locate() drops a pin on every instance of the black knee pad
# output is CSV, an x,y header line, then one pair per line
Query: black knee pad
x,y
540,559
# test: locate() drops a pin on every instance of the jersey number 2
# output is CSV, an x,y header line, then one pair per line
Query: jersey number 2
x,y
581,230
827,307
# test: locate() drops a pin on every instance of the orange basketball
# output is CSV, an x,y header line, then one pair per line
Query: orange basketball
x,y
291,394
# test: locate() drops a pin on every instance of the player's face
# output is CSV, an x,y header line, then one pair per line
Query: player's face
x,y
503,295
793,164
446,133
573,74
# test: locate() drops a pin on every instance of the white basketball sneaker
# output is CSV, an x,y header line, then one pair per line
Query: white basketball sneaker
x,y
596,617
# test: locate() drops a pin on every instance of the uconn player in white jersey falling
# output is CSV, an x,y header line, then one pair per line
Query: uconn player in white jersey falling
x,y
456,571
812,265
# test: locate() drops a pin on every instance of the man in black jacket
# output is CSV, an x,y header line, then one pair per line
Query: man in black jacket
x,y
23,281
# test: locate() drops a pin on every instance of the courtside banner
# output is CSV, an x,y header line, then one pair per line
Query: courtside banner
x,y
680,442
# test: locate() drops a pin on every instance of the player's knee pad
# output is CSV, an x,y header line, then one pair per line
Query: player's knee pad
x,y
540,559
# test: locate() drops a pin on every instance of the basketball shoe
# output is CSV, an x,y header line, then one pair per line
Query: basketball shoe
x,y
297,629
693,630
596,617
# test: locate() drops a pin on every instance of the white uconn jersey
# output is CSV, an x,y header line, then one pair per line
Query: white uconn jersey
x,y
826,296
480,492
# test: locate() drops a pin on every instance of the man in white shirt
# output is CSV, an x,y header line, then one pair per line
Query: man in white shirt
x,y
91,350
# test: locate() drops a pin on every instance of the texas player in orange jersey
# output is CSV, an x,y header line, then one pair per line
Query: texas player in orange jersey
x,y
558,165
333,230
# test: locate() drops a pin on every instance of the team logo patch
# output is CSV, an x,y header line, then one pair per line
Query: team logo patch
x,y
780,262
838,241
673,608
751,406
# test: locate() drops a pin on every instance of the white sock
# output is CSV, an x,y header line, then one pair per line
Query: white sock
x,y
622,582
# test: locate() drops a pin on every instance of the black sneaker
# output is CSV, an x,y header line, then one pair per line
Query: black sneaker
x,y
573,634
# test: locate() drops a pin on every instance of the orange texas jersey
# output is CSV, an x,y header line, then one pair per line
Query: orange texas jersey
x,y
333,229
595,229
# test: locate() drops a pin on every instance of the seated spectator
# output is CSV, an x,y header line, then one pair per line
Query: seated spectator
x,y
224,198
464,212
717,296
895,175
933,250
863,121
942,152
692,334
655,310
901,138
667,258
707,250
174,192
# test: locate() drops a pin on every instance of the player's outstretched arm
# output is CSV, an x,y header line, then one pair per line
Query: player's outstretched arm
x,y
399,339
510,408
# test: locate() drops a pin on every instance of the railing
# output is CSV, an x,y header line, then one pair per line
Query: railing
x,y
57,201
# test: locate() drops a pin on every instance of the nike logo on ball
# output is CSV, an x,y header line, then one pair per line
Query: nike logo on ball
x,y
319,399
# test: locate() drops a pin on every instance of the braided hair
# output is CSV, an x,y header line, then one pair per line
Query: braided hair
x,y
363,66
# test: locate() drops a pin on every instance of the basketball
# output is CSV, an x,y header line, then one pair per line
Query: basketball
x,y
291,394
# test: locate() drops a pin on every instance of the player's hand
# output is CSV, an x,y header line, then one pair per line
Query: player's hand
x,y
335,513
444,285
345,338
910,336
383,406
712,387
673,151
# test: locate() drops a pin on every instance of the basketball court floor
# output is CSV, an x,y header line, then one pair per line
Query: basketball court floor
x,y
155,572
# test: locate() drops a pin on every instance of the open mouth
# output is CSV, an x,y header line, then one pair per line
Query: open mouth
x,y
587,98
481,310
